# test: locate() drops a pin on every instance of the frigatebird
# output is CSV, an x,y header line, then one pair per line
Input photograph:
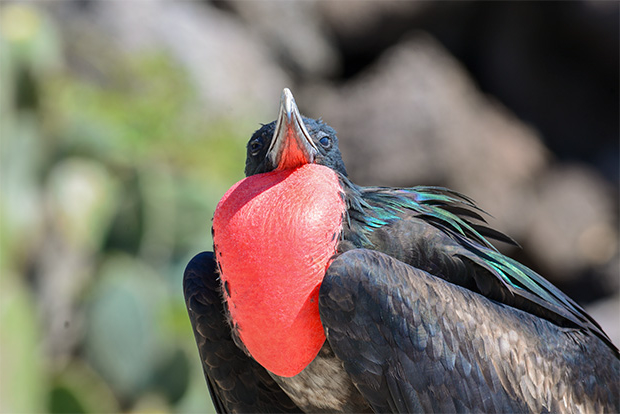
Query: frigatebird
x,y
325,296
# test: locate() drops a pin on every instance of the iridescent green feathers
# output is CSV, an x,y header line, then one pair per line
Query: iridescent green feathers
x,y
510,282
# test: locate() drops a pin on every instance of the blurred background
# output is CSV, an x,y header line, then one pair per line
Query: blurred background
x,y
123,123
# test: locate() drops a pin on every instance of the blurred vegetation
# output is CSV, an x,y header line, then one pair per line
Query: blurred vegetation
x,y
109,178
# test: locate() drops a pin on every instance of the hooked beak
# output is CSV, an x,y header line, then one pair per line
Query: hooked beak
x,y
291,145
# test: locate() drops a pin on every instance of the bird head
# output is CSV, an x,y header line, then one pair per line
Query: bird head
x,y
292,141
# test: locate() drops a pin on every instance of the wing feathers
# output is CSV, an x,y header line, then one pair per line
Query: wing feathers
x,y
457,216
460,352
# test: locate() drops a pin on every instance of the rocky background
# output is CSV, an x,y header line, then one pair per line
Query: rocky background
x,y
123,123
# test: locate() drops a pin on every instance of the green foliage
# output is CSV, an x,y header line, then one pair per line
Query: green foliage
x,y
22,387
110,172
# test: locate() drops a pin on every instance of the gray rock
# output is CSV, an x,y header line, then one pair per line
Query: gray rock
x,y
293,33
606,313
572,220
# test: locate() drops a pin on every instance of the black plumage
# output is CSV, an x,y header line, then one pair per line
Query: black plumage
x,y
421,314
413,343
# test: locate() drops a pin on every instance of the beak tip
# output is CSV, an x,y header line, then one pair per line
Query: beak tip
x,y
287,102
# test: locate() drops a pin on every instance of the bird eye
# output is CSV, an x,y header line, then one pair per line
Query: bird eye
x,y
325,142
256,146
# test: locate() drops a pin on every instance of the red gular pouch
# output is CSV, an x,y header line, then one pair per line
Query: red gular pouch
x,y
274,235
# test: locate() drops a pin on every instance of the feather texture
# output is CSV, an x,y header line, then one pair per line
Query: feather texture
x,y
461,220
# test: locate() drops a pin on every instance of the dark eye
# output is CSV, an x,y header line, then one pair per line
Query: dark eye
x,y
255,146
326,142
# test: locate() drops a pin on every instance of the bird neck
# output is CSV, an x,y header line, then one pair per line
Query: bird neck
x,y
274,236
